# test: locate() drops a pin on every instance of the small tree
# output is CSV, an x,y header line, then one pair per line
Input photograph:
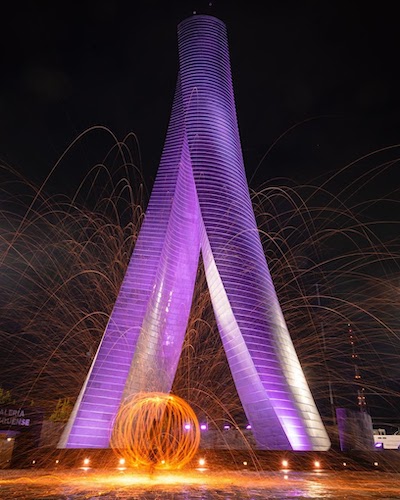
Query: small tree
x,y
6,397
62,411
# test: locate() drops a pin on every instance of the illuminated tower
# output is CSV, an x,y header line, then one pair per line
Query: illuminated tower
x,y
200,202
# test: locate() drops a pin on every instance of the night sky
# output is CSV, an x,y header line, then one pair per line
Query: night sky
x,y
328,69
322,77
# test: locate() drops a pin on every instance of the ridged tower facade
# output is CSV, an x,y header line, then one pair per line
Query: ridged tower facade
x,y
200,203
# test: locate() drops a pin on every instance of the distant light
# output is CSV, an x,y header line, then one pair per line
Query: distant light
x,y
122,461
57,461
163,462
187,427
86,461
376,464
244,463
317,464
248,426
33,461
9,439
285,476
285,463
203,427
344,464
202,462
226,427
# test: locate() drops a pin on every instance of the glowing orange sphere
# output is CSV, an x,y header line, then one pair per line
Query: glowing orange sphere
x,y
156,430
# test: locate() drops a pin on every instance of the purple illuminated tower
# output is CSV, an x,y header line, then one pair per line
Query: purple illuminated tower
x,y
200,202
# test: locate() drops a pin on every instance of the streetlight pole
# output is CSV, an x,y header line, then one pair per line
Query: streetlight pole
x,y
322,332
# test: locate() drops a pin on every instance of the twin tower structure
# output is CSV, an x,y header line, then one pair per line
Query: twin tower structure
x,y
200,203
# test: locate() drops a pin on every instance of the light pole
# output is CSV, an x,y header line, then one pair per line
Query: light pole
x,y
322,332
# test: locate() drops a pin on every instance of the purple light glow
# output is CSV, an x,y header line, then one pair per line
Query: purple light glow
x,y
200,201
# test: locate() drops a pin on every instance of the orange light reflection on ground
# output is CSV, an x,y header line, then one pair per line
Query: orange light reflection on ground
x,y
40,484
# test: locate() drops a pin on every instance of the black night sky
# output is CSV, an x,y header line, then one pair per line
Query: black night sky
x,y
316,85
329,69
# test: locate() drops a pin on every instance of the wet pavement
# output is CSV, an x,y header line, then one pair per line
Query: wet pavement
x,y
201,485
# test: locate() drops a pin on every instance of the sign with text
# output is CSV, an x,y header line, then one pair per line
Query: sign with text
x,y
14,418
11,417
